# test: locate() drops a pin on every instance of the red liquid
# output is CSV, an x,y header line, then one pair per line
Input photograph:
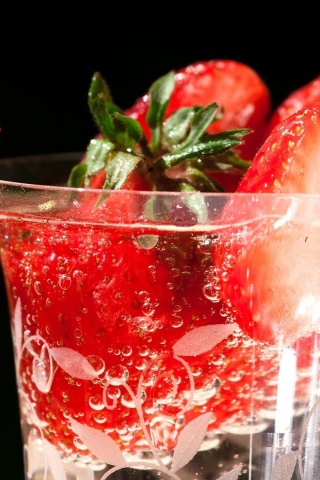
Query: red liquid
x,y
119,309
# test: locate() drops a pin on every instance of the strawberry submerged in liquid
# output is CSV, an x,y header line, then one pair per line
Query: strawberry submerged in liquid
x,y
104,308
124,309
273,276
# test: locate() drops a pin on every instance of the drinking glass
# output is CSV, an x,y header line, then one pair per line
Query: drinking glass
x,y
130,361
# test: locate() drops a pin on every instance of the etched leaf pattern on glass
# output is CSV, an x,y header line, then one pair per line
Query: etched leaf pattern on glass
x,y
101,445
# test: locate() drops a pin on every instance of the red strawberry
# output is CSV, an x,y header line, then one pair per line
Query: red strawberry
x,y
287,162
274,283
122,307
300,99
234,86
272,274
176,155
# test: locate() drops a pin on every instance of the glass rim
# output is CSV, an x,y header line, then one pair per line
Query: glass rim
x,y
75,156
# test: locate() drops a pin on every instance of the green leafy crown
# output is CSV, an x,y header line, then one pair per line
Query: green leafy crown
x,y
180,155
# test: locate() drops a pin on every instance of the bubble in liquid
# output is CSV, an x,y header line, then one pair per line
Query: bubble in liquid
x,y
218,359
96,403
78,275
117,374
235,376
38,288
144,351
122,430
163,431
64,282
147,241
129,402
149,379
113,392
146,323
97,363
148,308
67,450
143,296
225,276
141,365
126,350
176,309
209,390
175,272
77,333
100,418
196,372
176,322
45,269
210,293
151,274
79,444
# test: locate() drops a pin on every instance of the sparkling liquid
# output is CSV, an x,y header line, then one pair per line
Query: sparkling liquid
x,y
129,364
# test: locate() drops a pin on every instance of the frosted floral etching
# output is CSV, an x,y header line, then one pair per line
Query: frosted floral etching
x,y
103,446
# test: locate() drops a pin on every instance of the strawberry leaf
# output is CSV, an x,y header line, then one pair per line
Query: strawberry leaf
x,y
96,158
77,175
200,181
102,107
97,155
176,127
225,161
99,89
195,203
118,169
160,93
128,131
211,145
201,121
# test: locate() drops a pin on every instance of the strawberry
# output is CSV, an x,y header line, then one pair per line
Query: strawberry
x,y
234,86
101,296
272,278
177,154
118,303
300,99
287,160
272,302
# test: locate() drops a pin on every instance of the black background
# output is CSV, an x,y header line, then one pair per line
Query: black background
x,y
48,55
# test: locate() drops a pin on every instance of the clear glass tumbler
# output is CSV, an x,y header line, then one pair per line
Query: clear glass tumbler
x,y
148,341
